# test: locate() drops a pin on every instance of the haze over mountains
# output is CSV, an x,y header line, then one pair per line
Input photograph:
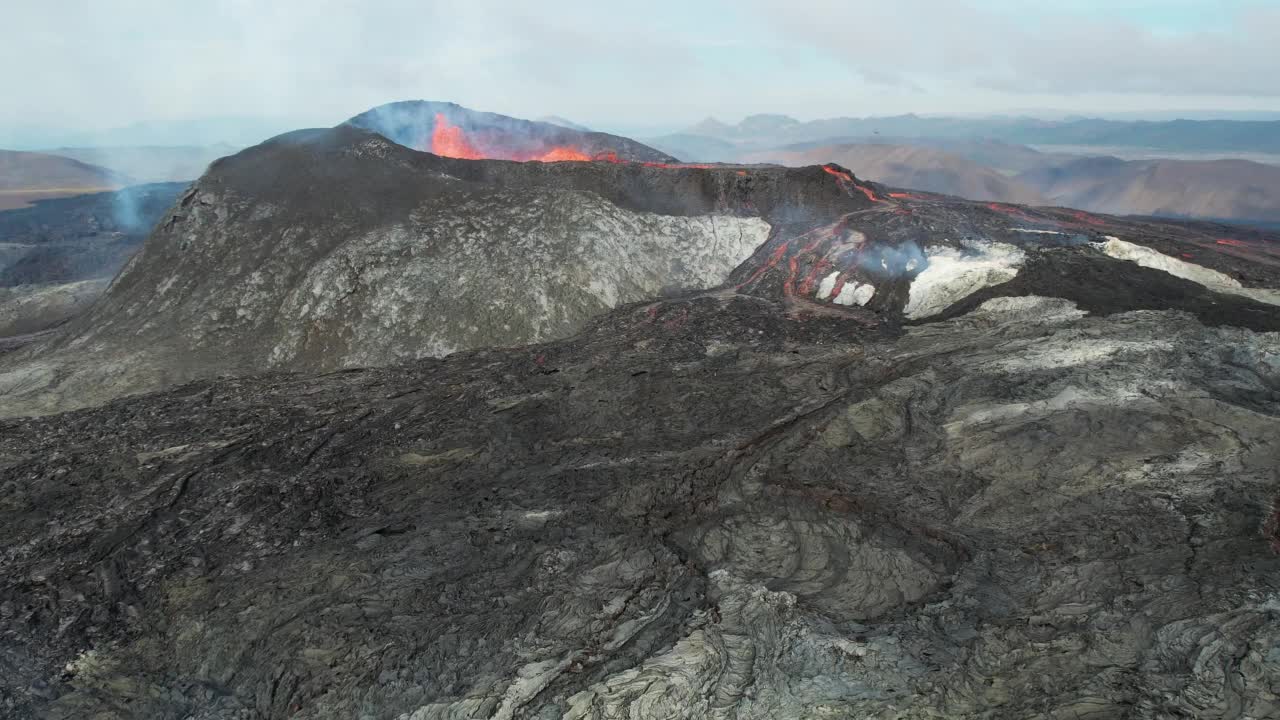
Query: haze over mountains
x,y
1174,135
150,163
907,166
984,158
925,158
1236,189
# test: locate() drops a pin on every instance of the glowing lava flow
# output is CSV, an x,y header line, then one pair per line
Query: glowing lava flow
x,y
815,238
562,154
449,141
793,264
806,285
839,174
846,177
769,264
838,288
1232,243
1088,219
1013,212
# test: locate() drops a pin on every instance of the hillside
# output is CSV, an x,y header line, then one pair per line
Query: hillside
x,y
919,168
1224,189
28,176
1262,136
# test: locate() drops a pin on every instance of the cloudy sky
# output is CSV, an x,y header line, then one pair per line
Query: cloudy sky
x,y
91,64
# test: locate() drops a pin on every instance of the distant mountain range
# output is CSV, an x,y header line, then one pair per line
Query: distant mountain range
x,y
989,159
1175,135
907,166
151,163
1236,189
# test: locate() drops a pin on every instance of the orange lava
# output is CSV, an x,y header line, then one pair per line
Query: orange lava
x,y
1013,212
867,191
449,140
768,264
1088,219
806,286
561,154
905,196
846,177
1232,243
839,175
793,265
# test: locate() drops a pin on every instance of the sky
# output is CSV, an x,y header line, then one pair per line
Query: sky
x,y
85,66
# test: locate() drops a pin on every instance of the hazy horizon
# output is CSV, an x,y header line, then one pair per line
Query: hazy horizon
x,y
290,64
241,131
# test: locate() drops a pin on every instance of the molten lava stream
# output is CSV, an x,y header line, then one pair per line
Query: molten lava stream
x,y
846,177
839,175
562,154
448,140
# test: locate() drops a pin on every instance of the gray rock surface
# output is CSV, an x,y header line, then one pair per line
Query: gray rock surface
x,y
711,506
29,309
792,445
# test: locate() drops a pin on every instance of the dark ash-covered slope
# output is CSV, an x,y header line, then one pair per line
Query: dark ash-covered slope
x,y
703,507
851,452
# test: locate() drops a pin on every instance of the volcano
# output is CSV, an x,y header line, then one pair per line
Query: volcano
x,y
278,259
438,437
450,130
